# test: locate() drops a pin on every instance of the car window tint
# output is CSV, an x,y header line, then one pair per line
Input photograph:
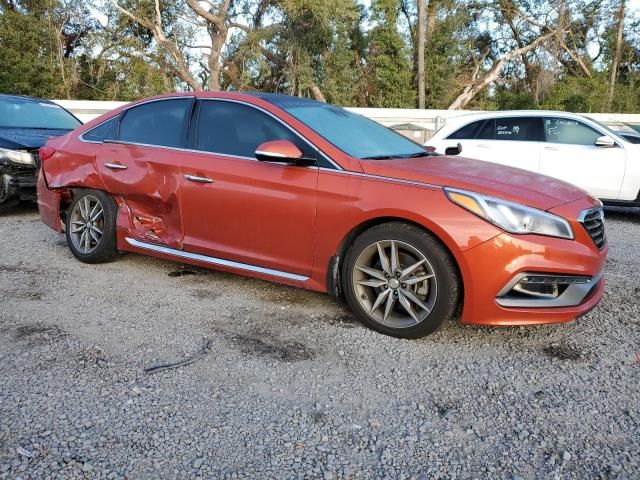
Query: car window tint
x,y
486,131
569,131
522,129
467,132
104,131
159,123
236,129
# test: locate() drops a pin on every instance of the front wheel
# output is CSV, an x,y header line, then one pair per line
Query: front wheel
x,y
91,226
401,281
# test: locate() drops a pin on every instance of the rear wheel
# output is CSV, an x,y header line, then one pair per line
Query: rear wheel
x,y
91,226
401,281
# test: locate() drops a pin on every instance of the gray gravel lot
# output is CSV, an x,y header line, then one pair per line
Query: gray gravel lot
x,y
289,386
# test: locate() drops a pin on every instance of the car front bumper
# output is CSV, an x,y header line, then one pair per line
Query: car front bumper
x,y
22,180
491,269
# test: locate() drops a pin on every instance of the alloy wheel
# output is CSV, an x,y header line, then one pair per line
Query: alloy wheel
x,y
394,283
87,224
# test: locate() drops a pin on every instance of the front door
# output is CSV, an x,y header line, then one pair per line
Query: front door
x,y
570,154
237,208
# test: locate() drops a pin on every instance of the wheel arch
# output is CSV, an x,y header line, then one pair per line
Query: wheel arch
x,y
334,280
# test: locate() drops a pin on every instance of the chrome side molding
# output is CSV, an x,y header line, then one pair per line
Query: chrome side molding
x,y
214,261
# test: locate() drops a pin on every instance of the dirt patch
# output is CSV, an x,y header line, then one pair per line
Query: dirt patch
x,y
204,294
281,350
15,269
38,333
563,352
344,320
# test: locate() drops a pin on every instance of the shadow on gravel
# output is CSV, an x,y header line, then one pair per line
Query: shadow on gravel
x,y
15,209
563,352
281,350
38,333
623,214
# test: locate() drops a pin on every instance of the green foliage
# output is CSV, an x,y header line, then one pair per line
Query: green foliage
x,y
26,52
390,77
349,52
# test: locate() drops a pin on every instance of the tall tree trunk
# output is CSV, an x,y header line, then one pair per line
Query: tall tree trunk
x,y
421,33
616,55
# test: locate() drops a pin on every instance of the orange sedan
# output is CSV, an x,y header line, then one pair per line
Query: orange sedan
x,y
308,194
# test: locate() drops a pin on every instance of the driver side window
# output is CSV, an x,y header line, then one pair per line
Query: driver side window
x,y
569,131
235,129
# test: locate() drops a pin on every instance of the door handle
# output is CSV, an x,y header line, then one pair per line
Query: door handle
x,y
551,148
115,166
193,178
483,145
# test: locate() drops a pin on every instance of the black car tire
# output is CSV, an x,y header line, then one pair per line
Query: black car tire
x,y
103,250
411,243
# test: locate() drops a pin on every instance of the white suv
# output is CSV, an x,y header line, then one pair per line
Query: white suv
x,y
564,145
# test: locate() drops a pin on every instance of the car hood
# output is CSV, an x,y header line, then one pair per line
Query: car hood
x,y
27,138
513,184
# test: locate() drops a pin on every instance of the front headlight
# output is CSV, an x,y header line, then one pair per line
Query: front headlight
x,y
15,156
512,217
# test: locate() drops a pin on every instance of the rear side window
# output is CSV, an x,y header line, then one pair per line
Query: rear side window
x,y
235,129
524,129
104,131
467,132
161,123
569,131
519,129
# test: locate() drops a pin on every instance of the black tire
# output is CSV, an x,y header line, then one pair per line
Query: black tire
x,y
105,249
445,304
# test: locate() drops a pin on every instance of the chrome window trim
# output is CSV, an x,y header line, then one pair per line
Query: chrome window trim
x,y
295,132
215,261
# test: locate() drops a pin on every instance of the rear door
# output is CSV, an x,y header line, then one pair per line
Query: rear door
x,y
238,208
569,153
142,165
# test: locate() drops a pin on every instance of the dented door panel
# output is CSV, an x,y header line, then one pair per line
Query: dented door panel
x,y
148,180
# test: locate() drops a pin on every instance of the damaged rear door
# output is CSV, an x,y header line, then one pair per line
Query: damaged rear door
x,y
142,166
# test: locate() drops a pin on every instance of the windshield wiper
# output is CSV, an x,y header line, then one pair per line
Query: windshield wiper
x,y
400,155
380,157
419,154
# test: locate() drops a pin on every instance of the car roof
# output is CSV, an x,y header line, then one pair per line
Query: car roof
x,y
23,98
511,113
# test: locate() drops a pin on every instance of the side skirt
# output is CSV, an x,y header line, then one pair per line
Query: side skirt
x,y
220,262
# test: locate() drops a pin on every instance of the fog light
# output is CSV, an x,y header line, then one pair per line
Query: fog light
x,y
547,286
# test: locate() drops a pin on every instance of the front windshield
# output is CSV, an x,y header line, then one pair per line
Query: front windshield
x,y
354,134
19,113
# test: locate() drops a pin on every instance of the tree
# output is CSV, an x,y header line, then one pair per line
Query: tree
x,y
616,56
422,36
389,78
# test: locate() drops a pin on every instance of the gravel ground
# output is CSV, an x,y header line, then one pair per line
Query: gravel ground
x,y
289,386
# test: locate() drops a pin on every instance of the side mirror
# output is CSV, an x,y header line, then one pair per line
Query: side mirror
x,y
457,150
605,142
282,151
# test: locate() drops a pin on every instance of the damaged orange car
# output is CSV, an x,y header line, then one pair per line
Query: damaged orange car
x,y
308,194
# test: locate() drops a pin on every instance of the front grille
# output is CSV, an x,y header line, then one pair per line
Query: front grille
x,y
593,222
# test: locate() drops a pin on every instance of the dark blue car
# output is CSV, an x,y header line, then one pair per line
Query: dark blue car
x,y
25,125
